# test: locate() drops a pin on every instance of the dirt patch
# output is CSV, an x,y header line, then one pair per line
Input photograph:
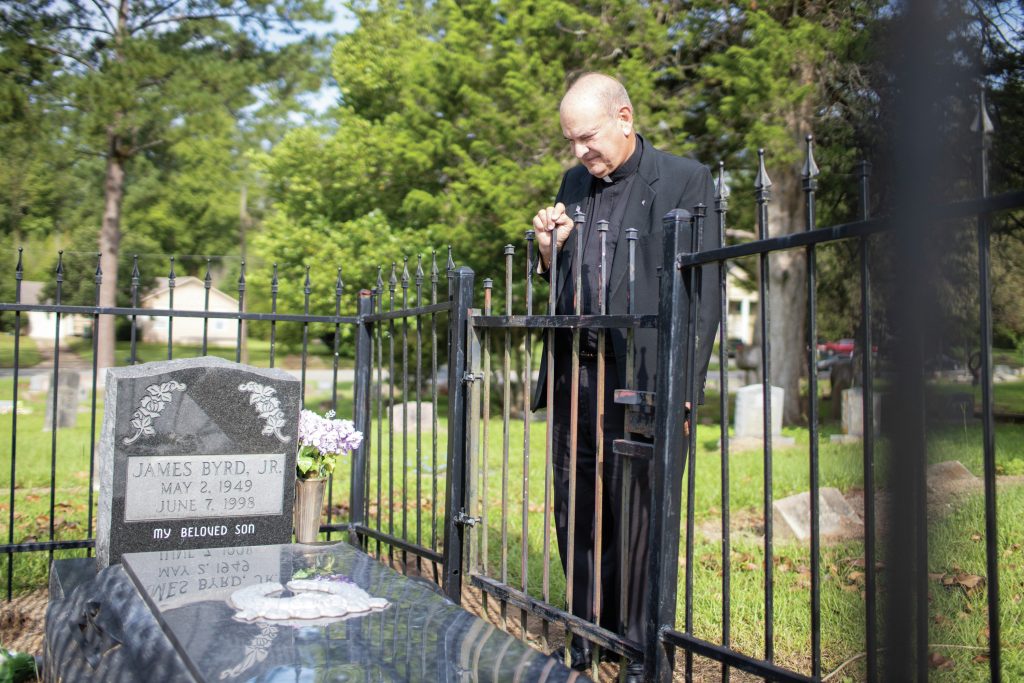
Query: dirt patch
x,y
22,621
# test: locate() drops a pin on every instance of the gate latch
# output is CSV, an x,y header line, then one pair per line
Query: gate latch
x,y
470,377
465,520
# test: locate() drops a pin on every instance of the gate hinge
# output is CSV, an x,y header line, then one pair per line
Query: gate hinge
x,y
465,520
470,377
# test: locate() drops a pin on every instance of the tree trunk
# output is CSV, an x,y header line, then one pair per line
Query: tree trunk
x,y
109,245
788,293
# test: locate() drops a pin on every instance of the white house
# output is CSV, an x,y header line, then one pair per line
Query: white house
x,y
743,309
189,295
41,324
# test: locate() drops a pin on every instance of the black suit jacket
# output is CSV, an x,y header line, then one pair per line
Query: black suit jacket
x,y
663,182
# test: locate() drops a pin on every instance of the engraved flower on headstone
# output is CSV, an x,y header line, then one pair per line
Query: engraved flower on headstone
x,y
264,398
157,397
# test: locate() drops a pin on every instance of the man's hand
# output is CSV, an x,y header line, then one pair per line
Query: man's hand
x,y
555,220
686,421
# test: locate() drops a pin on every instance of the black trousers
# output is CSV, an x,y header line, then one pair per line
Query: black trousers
x,y
634,526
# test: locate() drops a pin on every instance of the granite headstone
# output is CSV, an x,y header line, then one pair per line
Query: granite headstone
x,y
196,453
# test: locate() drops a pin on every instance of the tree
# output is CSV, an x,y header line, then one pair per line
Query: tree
x,y
133,76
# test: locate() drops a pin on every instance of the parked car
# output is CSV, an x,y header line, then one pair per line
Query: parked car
x,y
842,347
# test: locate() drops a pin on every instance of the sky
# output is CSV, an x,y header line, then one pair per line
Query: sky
x,y
344,22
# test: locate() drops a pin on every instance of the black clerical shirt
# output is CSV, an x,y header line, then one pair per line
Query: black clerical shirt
x,y
607,201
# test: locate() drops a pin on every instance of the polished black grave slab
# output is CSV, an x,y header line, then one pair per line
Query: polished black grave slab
x,y
420,636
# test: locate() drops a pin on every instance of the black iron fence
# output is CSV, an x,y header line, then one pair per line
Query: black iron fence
x,y
504,502
456,477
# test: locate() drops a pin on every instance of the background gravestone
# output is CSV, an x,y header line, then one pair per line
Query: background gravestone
x,y
67,401
196,453
853,415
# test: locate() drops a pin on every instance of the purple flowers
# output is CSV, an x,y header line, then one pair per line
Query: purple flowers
x,y
321,441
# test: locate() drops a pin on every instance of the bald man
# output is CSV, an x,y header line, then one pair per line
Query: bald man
x,y
624,180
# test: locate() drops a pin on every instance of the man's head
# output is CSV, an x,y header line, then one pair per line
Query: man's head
x,y
597,120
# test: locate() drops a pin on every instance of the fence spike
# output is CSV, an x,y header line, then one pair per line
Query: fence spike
x,y
241,278
433,266
136,276
721,188
171,276
761,182
419,269
393,280
982,121
19,270
207,280
405,272
810,170
274,283
307,286
380,278
339,284
98,275
60,266
451,261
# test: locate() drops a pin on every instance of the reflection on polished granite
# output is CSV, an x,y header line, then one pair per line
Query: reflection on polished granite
x,y
420,636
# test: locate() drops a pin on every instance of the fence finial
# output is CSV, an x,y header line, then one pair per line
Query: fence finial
x,y
451,261
762,182
274,283
721,188
171,277
339,285
393,280
405,272
19,270
810,170
433,266
307,286
60,266
207,280
136,276
98,275
982,122
419,270
241,278
380,278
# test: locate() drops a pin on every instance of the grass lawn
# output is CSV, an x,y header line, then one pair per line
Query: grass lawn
x,y
958,614
28,353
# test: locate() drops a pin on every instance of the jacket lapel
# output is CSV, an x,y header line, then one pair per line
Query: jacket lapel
x,y
639,207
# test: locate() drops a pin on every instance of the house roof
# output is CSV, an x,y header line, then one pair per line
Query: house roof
x,y
163,285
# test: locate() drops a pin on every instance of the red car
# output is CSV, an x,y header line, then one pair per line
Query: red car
x,y
842,347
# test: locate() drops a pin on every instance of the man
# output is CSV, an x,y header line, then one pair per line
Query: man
x,y
624,180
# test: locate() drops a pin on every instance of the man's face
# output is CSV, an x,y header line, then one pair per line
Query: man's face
x,y
601,141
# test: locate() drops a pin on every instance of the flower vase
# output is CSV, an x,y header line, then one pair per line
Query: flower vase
x,y
309,501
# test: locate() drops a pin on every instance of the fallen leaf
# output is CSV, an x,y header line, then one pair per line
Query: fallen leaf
x,y
981,659
970,581
851,588
939,619
948,580
750,567
975,537
937,661
935,576
855,576
983,634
